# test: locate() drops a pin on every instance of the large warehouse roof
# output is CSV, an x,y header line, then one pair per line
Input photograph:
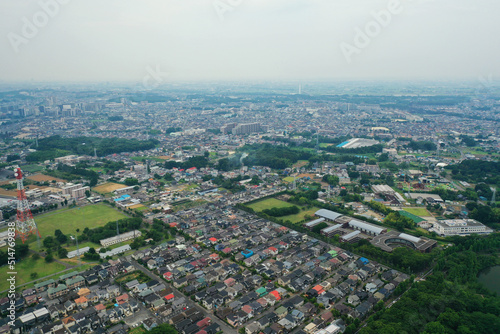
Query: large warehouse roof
x,y
366,226
331,228
350,235
314,222
328,214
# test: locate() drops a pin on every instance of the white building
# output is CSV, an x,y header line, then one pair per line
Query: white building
x,y
460,227
120,238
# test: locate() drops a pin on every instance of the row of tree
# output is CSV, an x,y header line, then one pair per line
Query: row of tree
x,y
280,212
86,145
96,234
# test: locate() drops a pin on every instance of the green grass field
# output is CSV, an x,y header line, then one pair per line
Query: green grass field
x,y
268,204
137,330
32,168
142,159
25,267
300,216
68,220
413,217
418,212
276,203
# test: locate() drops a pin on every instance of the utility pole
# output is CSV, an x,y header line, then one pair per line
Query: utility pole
x,y
77,250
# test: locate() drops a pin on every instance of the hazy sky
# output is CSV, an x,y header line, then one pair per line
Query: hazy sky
x,y
123,40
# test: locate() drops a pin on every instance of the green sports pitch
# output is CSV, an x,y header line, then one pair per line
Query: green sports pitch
x,y
68,220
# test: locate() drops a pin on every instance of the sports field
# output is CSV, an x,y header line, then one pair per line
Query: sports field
x,y
32,168
68,220
418,212
108,187
413,217
138,207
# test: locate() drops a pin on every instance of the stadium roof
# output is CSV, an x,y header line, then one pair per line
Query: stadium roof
x,y
328,214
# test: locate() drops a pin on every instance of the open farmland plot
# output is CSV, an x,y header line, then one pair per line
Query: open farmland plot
x,y
68,220
44,178
108,187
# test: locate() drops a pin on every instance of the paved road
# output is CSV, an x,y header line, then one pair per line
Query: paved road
x,y
225,327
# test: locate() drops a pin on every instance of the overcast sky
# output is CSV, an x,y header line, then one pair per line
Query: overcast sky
x,y
121,40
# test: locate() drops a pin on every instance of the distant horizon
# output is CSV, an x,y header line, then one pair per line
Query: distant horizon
x,y
259,40
463,80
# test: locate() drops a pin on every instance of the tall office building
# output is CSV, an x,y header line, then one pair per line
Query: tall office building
x,y
243,129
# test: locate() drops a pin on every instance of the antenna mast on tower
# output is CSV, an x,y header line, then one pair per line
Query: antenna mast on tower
x,y
25,224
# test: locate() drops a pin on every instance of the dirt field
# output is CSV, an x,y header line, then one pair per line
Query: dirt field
x,y
300,163
10,193
43,178
108,187
311,176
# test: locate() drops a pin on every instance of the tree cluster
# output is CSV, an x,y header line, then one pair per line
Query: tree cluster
x,y
398,221
476,171
20,251
86,145
280,212
95,235
73,173
450,300
422,146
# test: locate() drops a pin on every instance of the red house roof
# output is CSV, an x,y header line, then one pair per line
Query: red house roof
x,y
204,322
247,309
170,296
276,294
100,307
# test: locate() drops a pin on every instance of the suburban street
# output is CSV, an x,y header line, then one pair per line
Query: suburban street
x,y
225,327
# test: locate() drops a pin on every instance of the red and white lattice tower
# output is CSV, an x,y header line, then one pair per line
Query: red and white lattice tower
x,y
25,224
